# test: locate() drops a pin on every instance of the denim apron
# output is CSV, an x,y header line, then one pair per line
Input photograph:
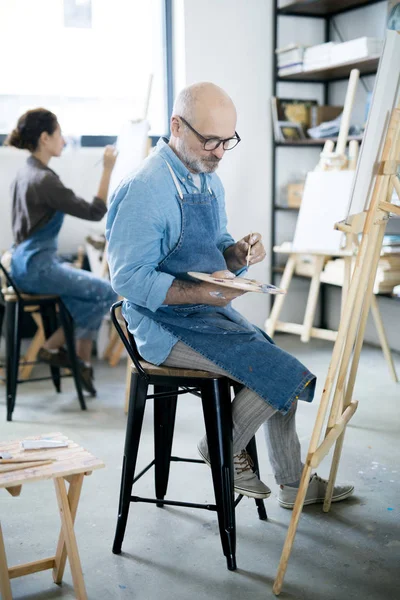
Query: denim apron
x,y
221,334
37,269
44,241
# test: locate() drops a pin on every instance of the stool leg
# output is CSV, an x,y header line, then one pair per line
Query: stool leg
x,y
2,312
49,327
12,361
68,326
137,402
218,421
5,587
252,450
164,422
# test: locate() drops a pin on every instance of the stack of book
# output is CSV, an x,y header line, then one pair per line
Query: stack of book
x,y
290,59
296,59
318,57
358,49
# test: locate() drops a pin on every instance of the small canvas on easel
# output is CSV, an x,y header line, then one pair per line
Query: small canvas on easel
x,y
131,146
325,202
385,98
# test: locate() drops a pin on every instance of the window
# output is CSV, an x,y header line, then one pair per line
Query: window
x,y
89,61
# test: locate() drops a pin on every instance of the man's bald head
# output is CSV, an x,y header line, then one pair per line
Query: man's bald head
x,y
201,98
208,110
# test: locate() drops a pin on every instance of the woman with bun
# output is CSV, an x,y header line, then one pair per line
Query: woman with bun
x,y
39,203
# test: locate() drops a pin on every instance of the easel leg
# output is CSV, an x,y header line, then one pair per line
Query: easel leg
x,y
68,535
5,587
312,298
382,337
287,548
369,297
271,322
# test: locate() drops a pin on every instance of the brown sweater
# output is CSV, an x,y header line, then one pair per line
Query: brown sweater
x,y
37,194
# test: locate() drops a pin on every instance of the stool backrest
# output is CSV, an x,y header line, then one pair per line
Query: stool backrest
x,y
128,340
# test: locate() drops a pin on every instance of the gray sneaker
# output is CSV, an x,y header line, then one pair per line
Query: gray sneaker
x,y
245,480
315,493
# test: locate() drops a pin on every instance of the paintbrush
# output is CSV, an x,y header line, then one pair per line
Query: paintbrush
x,y
25,465
248,252
10,461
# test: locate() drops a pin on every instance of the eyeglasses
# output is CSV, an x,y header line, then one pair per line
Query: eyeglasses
x,y
214,143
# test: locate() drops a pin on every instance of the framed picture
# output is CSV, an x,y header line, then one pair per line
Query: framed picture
x,y
289,131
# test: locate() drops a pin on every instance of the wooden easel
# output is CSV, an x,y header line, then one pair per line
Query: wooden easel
x,y
343,367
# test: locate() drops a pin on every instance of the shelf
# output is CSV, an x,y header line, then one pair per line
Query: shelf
x,y
287,208
366,66
323,8
315,142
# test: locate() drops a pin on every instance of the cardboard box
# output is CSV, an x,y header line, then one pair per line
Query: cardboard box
x,y
324,113
295,194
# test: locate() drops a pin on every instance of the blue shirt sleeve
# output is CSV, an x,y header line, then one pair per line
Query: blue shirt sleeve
x,y
135,228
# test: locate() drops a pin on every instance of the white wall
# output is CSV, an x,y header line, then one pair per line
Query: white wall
x,y
229,43
77,169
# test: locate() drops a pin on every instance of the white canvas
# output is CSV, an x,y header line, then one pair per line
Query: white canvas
x,y
325,202
132,146
385,98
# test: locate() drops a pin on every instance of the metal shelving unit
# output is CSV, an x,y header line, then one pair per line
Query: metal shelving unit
x,y
325,10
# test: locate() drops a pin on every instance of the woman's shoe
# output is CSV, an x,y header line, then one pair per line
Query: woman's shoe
x,y
87,377
55,359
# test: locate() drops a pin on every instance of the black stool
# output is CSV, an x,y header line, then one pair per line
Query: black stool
x,y
214,391
15,303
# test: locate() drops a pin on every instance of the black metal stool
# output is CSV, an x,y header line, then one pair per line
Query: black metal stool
x,y
214,391
15,303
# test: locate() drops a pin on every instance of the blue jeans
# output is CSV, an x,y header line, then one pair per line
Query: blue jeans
x,y
87,297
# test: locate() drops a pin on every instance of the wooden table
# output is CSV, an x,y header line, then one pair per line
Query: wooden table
x,y
71,464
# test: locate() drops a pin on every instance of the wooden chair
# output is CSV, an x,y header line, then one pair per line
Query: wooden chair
x,y
169,383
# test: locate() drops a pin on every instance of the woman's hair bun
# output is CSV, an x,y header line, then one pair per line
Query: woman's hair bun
x,y
14,139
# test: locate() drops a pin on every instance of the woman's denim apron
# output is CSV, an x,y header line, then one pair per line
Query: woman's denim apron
x,y
37,269
221,334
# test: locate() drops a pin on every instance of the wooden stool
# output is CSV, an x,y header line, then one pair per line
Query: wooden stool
x,y
71,464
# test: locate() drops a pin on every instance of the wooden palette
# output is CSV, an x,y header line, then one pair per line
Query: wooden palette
x,y
239,283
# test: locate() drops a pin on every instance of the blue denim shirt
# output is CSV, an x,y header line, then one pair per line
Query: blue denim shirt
x,y
143,227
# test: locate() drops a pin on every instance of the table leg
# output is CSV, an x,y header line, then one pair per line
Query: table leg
x,y
5,587
67,541
74,492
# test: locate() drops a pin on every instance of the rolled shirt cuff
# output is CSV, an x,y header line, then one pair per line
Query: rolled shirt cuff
x,y
158,291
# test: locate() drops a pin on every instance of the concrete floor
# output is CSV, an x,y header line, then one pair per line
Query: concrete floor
x,y
353,552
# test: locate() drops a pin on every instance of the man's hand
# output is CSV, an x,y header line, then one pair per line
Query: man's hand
x,y
236,255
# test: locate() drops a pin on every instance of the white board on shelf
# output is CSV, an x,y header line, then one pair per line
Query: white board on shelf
x,y
132,148
386,96
325,202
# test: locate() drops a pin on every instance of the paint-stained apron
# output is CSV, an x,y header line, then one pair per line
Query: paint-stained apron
x,y
221,334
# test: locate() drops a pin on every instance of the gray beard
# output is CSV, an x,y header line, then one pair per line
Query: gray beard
x,y
198,165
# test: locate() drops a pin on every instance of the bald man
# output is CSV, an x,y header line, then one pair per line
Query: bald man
x,y
168,219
